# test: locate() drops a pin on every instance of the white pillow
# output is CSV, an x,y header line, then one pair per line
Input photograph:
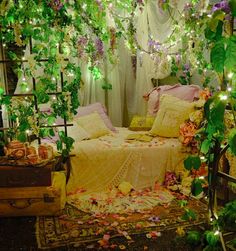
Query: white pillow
x,y
76,132
93,125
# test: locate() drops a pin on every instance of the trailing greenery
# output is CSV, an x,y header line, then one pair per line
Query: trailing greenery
x,y
59,31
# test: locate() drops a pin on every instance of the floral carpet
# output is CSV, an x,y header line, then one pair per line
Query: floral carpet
x,y
74,227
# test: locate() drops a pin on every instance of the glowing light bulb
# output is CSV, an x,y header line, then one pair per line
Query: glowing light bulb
x,y
201,178
230,75
202,158
223,97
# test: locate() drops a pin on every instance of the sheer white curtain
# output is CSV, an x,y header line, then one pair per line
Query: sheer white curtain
x,y
125,98
152,21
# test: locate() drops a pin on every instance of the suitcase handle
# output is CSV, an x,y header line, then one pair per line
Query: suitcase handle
x,y
26,203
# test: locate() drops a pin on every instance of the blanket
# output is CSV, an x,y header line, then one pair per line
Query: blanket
x,y
103,163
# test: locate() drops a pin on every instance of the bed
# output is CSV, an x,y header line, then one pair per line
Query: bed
x,y
105,156
105,162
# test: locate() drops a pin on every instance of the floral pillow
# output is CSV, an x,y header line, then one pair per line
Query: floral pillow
x,y
141,123
172,113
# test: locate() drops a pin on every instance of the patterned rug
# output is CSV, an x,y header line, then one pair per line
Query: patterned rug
x,y
74,228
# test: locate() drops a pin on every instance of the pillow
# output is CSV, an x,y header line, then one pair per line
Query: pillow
x,y
183,92
78,133
100,109
93,125
172,113
141,123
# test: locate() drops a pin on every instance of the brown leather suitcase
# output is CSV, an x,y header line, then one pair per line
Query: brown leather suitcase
x,y
20,176
34,201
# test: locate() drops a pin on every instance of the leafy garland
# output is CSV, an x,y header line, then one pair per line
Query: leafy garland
x,y
61,30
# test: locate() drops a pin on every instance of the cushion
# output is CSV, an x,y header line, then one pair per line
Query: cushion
x,y
184,92
141,123
78,133
100,109
172,113
93,125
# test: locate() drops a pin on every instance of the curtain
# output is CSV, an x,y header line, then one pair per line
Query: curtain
x,y
128,86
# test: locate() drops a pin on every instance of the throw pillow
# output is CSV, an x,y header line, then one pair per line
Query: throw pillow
x,y
140,123
100,109
93,125
183,92
172,113
78,133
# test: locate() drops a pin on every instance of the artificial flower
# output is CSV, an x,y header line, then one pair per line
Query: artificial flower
x,y
222,5
187,132
205,94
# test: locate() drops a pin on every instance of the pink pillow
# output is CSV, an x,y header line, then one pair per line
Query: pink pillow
x,y
184,92
98,107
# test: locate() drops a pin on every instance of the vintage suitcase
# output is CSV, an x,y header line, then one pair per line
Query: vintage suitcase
x,y
20,176
34,201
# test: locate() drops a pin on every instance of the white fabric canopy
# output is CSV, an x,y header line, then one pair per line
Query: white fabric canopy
x,y
126,97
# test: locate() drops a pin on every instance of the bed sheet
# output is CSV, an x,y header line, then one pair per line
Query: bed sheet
x,y
105,162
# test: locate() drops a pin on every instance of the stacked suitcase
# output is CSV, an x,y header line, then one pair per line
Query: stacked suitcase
x,y
28,191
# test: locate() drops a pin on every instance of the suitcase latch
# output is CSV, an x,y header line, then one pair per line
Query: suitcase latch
x,y
47,198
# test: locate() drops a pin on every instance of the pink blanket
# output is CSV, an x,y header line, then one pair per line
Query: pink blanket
x,y
184,92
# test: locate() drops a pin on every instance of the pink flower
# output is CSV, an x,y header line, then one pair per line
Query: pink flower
x,y
187,132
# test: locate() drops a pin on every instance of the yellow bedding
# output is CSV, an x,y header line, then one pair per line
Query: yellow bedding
x,y
105,162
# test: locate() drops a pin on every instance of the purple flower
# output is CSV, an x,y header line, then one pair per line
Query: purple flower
x,y
187,6
99,46
186,67
223,5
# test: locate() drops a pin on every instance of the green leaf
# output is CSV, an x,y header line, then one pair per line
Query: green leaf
x,y
205,146
189,215
192,162
232,140
218,56
59,145
193,238
62,135
217,111
1,91
214,36
218,15
212,238
22,137
213,23
183,203
196,187
230,61
51,119
232,4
